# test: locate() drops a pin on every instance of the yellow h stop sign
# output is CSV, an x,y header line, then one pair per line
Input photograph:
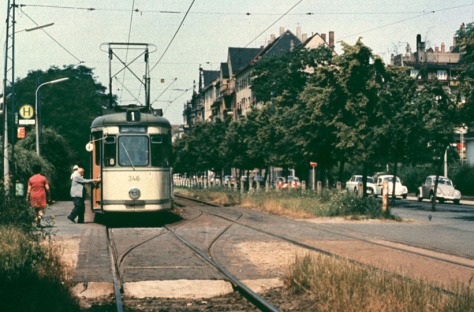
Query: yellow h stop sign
x,y
27,111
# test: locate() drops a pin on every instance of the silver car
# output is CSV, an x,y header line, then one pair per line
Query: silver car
x,y
445,190
353,184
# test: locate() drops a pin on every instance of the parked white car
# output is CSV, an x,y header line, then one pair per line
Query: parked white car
x,y
400,189
353,184
444,191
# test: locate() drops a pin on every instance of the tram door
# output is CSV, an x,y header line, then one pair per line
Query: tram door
x,y
96,188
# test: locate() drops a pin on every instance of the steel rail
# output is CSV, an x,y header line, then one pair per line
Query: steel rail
x,y
253,297
118,288
322,251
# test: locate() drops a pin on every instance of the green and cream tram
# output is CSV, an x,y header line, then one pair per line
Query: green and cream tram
x,y
131,152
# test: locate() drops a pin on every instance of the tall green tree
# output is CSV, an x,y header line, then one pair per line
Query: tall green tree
x,y
322,105
465,40
362,75
199,150
440,117
402,125
67,107
55,161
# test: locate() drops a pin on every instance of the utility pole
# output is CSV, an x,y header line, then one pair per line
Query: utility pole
x,y
9,68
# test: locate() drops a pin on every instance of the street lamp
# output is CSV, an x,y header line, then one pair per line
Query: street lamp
x,y
36,109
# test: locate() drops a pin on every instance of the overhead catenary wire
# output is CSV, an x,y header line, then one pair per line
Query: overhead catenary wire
x,y
387,25
171,83
174,36
283,15
183,92
52,38
320,12
128,41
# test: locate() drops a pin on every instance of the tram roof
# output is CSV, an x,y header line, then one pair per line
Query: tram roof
x,y
120,119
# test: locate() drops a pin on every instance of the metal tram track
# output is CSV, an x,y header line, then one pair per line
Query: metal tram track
x,y
117,279
116,263
334,255
245,291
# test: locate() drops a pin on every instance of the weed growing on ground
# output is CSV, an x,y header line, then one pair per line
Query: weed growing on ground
x,y
296,203
333,285
31,273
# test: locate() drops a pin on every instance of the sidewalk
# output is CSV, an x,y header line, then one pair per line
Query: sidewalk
x,y
84,246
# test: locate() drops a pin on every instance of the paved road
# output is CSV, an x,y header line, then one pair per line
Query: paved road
x,y
451,228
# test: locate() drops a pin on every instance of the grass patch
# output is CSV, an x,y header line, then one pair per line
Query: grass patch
x,y
296,204
223,197
31,274
327,284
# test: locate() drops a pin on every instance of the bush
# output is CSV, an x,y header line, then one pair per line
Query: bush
x,y
412,177
31,274
348,204
15,211
463,178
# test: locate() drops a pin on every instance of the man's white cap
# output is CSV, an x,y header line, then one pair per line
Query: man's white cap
x,y
75,167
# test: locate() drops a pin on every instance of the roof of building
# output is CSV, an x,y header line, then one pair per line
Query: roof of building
x,y
283,44
240,57
224,70
209,76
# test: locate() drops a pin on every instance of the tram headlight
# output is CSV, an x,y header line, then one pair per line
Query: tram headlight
x,y
134,193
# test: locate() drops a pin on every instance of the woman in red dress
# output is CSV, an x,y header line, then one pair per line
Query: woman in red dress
x,y
38,192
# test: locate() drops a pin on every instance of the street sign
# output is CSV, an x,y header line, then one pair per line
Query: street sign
x,y
26,122
21,132
27,114
313,164
27,111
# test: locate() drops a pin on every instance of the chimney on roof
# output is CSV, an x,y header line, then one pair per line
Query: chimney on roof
x,y
323,36
272,38
298,33
331,39
282,30
304,37
437,49
443,48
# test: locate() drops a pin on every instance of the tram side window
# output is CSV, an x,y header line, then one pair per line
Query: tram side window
x,y
133,150
160,150
110,151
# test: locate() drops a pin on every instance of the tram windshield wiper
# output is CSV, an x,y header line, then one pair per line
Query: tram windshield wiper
x,y
128,156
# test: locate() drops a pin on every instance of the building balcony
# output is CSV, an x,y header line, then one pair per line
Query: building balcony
x,y
227,88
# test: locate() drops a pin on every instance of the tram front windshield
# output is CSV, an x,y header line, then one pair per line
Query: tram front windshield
x,y
133,151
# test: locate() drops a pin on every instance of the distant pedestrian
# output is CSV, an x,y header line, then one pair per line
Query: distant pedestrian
x,y
74,172
78,194
38,193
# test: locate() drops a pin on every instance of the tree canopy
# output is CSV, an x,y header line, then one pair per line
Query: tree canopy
x,y
66,110
314,106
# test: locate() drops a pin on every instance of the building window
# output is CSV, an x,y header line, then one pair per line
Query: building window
x,y
442,75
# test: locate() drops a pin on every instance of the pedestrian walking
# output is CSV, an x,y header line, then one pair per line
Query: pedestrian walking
x,y
38,193
78,192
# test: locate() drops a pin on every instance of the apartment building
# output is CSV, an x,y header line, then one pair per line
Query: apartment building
x,y
229,96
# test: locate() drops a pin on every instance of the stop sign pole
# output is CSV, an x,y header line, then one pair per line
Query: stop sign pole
x,y
313,184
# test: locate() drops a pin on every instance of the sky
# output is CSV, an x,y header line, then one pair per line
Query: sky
x,y
186,34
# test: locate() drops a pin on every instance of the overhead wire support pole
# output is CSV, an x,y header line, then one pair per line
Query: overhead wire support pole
x,y
9,58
